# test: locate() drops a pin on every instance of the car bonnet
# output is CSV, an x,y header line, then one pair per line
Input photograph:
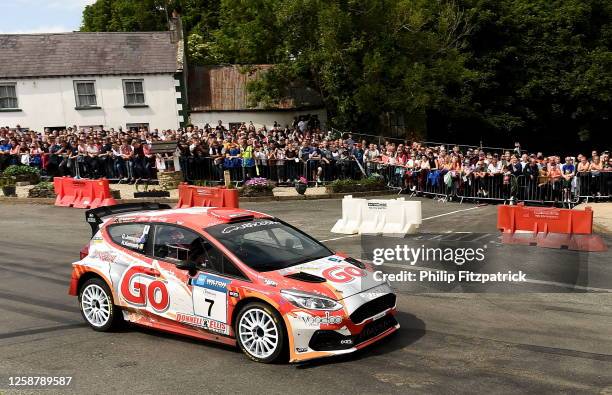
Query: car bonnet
x,y
345,278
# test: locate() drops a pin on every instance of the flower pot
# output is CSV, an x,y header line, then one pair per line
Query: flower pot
x,y
253,191
9,190
301,188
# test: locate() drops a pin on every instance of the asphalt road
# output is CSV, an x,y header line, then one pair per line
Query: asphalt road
x,y
514,340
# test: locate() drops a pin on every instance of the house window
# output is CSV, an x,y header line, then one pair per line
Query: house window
x,y
137,126
133,92
85,93
8,96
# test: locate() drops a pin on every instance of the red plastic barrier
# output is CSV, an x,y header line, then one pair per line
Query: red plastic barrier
x,y
549,227
544,219
102,193
82,193
194,196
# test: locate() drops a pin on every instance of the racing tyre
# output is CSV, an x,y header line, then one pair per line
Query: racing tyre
x,y
97,308
260,332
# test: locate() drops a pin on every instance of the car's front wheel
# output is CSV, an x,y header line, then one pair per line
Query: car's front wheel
x,y
260,332
97,308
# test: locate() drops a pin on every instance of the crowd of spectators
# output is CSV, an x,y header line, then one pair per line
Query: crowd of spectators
x,y
417,166
285,153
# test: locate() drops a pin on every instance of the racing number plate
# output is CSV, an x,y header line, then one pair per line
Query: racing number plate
x,y
210,297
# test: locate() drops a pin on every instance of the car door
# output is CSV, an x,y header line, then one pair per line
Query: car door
x,y
216,289
137,281
172,245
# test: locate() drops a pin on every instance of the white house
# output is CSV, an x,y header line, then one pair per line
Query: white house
x,y
104,79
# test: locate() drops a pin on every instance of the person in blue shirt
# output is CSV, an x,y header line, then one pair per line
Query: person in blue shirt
x,y
305,151
568,168
5,151
568,171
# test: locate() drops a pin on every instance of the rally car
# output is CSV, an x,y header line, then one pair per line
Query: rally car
x,y
232,276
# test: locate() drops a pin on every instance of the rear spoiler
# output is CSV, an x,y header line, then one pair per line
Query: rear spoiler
x,y
94,216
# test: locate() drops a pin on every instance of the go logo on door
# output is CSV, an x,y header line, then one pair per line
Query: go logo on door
x,y
140,287
342,274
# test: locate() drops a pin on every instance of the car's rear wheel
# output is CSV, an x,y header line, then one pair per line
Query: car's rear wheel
x,y
97,308
260,332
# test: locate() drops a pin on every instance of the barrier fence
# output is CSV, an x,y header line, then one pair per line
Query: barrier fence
x,y
439,184
283,171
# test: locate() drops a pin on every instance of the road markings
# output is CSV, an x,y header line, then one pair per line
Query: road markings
x,y
451,212
424,219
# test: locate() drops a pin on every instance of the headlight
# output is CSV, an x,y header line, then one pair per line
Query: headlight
x,y
310,301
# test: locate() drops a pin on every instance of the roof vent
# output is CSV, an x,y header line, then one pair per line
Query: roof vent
x,y
231,215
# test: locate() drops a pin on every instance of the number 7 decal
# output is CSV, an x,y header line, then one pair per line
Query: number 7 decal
x,y
210,306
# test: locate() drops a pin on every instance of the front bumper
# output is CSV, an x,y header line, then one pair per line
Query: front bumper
x,y
328,334
329,340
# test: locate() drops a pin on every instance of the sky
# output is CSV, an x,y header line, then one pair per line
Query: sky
x,y
41,16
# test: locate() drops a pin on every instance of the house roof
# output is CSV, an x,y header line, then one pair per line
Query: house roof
x,y
224,88
81,53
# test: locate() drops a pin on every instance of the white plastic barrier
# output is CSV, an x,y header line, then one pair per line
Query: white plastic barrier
x,y
403,217
351,216
374,216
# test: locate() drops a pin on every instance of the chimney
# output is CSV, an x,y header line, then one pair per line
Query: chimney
x,y
175,26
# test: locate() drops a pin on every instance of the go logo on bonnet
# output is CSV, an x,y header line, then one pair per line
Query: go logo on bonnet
x,y
342,274
151,292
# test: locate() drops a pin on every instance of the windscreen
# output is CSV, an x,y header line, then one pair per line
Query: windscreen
x,y
267,244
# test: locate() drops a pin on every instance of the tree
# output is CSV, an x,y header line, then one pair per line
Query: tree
x,y
125,16
543,73
369,57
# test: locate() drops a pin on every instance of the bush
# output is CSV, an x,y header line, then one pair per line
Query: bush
x,y
22,173
6,181
363,185
42,190
45,185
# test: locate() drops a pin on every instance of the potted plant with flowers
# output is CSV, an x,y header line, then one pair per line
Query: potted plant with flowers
x,y
301,185
256,187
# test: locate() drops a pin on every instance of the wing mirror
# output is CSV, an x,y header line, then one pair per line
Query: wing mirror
x,y
187,265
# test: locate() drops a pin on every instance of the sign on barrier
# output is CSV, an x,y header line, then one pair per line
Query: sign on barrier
x,y
374,216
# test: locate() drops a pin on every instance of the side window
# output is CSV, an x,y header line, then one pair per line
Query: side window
x,y
131,236
214,260
230,269
174,244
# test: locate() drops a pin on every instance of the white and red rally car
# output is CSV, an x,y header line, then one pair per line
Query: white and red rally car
x,y
230,276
